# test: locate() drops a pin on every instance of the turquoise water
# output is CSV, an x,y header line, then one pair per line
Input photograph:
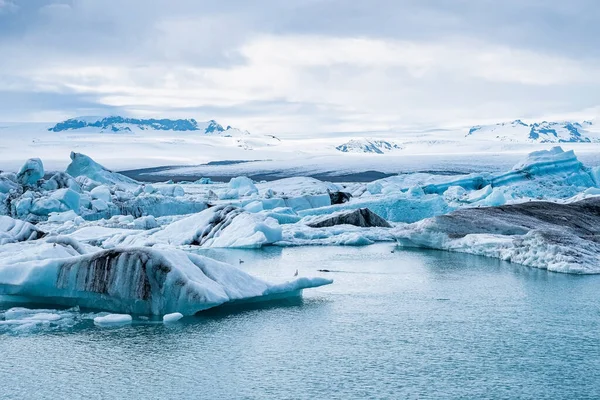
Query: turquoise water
x,y
408,324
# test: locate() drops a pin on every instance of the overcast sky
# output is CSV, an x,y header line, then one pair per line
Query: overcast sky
x,y
301,65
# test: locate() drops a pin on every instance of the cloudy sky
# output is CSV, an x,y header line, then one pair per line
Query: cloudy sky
x,y
301,65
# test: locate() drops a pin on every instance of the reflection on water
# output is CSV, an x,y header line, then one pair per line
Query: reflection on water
x,y
413,323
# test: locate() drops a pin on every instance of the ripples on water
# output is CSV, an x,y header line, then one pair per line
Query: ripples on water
x,y
409,324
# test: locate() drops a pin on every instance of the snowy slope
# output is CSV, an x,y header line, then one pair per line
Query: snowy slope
x,y
368,146
540,132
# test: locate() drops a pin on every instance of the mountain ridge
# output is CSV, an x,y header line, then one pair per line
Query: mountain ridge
x,y
540,132
125,124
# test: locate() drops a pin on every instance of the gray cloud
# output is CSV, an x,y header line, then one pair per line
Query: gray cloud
x,y
296,65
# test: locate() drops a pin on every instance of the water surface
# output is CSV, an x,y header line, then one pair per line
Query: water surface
x,y
408,324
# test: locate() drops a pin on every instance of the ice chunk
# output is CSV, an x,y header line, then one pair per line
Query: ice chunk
x,y
148,189
557,237
455,194
221,226
113,320
63,217
283,215
62,180
254,206
231,194
171,190
480,194
99,205
19,319
14,230
22,206
31,172
297,187
396,208
45,205
338,235
362,217
68,197
496,198
173,317
375,187
101,193
7,185
243,185
308,202
134,280
82,165
416,191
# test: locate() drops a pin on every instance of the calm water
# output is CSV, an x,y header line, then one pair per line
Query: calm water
x,y
409,324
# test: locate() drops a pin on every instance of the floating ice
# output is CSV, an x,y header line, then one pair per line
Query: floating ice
x,y
173,317
113,320
362,217
133,280
221,226
395,208
82,165
31,172
243,185
557,237
24,320
101,193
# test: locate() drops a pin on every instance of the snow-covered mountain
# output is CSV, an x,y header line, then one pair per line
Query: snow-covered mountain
x,y
126,124
368,146
540,132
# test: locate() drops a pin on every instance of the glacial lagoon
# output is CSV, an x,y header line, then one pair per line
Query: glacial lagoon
x,y
395,323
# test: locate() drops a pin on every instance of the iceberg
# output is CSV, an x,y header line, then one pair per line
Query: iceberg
x,y
82,165
220,226
31,172
243,185
362,217
395,208
133,280
552,236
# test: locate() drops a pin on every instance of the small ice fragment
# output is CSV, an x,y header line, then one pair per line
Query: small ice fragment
x,y
173,317
113,319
